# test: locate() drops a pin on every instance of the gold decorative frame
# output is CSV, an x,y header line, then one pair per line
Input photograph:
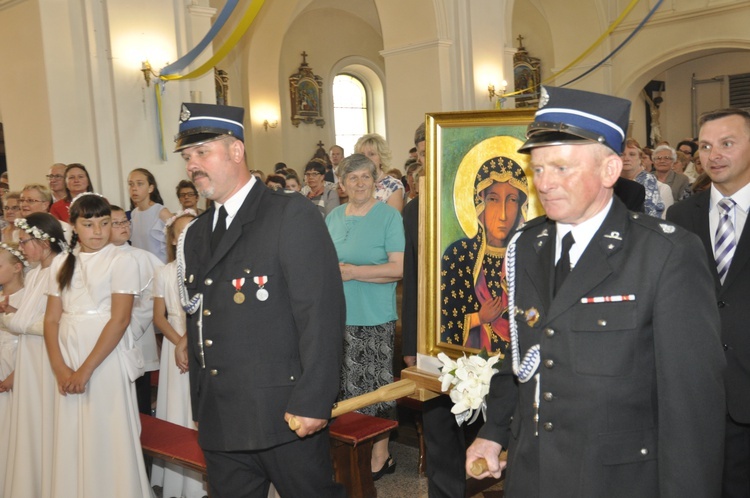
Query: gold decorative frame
x,y
452,140
527,75
221,82
305,89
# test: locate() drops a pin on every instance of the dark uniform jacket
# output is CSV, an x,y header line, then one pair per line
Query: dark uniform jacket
x,y
732,298
264,357
631,392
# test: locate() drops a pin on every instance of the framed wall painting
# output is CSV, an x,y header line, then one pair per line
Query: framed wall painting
x,y
527,76
305,88
478,188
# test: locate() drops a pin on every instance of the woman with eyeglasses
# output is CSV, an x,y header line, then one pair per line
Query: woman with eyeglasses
x,y
318,190
37,198
187,196
77,181
11,209
664,159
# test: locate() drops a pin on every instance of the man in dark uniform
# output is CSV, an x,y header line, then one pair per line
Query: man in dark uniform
x,y
266,337
444,439
725,156
614,382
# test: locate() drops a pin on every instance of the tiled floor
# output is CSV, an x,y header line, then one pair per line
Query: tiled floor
x,y
406,483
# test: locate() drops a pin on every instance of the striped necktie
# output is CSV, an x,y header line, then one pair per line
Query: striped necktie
x,y
724,244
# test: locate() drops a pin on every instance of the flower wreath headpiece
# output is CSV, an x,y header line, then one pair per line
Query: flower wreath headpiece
x,y
178,214
82,194
38,233
16,253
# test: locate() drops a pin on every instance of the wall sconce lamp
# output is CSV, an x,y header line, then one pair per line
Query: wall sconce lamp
x,y
148,72
270,124
499,94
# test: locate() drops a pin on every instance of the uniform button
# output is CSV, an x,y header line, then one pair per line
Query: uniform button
x,y
208,281
548,397
209,343
549,427
549,363
214,372
247,271
721,304
549,332
206,312
726,347
601,323
292,378
644,451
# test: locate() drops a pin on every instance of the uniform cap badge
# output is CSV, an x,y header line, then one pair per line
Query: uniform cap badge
x,y
184,113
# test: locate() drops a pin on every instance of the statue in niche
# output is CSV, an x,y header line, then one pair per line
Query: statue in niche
x,y
653,108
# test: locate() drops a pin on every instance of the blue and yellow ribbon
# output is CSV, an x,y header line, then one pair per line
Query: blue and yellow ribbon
x,y
169,73
247,19
593,46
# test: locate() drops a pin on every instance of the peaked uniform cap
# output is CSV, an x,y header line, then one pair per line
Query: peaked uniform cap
x,y
568,117
201,123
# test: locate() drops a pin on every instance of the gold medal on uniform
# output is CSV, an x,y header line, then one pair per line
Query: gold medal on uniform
x,y
239,297
532,316
261,294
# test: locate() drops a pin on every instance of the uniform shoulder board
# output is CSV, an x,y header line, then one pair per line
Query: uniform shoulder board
x,y
656,224
531,223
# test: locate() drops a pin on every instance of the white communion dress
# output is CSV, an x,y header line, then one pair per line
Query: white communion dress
x,y
8,346
97,449
30,445
173,398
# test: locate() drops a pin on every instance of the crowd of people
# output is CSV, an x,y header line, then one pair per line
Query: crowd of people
x,y
95,298
92,306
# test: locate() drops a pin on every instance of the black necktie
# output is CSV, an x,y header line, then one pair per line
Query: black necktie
x,y
219,229
563,264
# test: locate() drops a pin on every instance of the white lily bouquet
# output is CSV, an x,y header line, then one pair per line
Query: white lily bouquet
x,y
470,378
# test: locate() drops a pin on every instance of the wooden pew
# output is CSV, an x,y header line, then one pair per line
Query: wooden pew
x,y
351,436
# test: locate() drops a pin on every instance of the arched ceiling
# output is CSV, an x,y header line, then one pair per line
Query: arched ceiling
x,y
364,9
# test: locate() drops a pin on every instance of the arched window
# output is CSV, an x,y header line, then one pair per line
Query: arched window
x,y
349,111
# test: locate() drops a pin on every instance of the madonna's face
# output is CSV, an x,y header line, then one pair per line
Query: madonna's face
x,y
502,203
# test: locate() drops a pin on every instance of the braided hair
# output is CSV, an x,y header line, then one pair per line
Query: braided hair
x,y
85,206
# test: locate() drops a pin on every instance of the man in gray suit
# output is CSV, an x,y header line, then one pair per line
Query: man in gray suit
x,y
265,337
614,382
724,147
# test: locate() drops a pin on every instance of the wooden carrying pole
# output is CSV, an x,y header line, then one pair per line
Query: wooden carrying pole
x,y
390,392
479,466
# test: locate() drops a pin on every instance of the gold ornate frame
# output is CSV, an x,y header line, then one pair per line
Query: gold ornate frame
x,y
452,138
305,89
